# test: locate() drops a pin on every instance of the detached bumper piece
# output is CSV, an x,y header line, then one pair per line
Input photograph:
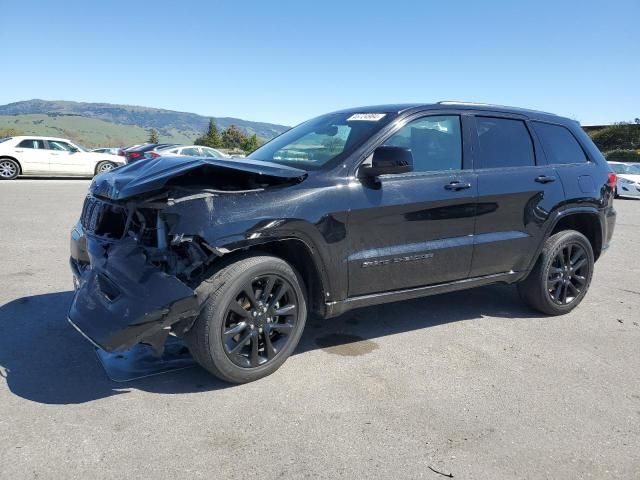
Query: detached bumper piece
x,y
123,299
142,361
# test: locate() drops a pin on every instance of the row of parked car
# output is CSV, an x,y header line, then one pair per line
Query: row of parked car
x,y
50,156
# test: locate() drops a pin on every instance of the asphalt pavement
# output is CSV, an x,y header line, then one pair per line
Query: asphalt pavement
x,y
470,384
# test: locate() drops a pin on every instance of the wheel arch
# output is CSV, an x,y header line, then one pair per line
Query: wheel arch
x,y
300,255
585,221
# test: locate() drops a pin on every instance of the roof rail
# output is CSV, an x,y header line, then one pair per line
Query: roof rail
x,y
456,102
480,104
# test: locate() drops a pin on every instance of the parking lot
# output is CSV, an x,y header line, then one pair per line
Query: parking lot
x,y
470,384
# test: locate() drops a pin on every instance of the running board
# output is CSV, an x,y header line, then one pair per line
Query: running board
x,y
334,309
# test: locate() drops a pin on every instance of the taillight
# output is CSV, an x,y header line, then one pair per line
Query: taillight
x,y
613,179
153,154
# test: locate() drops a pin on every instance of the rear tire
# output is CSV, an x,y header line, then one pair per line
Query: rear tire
x,y
561,276
251,321
9,169
105,166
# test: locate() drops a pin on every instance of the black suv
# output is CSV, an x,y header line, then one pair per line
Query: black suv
x,y
353,208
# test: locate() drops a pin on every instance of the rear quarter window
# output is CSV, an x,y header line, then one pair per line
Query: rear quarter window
x,y
559,144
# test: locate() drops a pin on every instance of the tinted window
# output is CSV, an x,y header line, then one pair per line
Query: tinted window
x,y
435,142
504,143
31,144
559,144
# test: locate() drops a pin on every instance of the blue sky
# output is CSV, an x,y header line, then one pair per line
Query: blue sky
x,y
285,61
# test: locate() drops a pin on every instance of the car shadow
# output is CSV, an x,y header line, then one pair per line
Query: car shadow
x,y
43,359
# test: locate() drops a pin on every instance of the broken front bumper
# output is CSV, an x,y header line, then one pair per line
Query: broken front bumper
x,y
122,299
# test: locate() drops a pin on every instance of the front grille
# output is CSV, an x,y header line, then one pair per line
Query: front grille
x,y
102,218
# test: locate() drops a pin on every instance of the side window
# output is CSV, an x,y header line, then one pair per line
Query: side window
x,y
191,152
210,152
435,142
559,144
27,144
60,146
504,142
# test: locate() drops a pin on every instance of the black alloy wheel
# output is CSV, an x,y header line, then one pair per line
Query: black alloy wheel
x,y
568,274
259,321
561,275
252,317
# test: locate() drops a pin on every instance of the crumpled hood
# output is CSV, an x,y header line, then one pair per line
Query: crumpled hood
x,y
149,175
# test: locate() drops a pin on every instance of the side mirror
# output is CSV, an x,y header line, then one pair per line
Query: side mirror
x,y
388,160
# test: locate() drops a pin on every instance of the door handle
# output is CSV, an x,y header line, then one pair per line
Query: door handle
x,y
457,186
19,151
545,179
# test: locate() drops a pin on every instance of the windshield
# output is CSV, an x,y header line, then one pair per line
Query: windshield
x,y
629,169
322,140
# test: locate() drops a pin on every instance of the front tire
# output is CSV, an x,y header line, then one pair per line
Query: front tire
x,y
105,166
251,321
561,276
9,169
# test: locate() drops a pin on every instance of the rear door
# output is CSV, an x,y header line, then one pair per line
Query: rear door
x,y
33,156
516,192
579,176
415,229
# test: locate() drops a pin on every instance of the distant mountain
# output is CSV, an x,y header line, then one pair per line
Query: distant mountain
x,y
169,123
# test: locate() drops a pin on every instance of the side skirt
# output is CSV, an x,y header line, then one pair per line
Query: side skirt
x,y
334,309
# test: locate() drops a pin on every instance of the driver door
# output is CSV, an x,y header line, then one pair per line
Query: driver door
x,y
415,229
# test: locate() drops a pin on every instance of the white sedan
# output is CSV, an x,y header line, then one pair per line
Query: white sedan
x,y
49,156
628,184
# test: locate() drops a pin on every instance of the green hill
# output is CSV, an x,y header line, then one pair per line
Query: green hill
x,y
104,124
90,132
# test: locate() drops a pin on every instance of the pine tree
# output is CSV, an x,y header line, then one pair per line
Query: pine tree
x,y
153,136
250,143
211,137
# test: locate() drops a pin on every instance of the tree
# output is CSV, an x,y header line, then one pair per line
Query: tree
x,y
9,132
232,137
153,136
212,137
250,143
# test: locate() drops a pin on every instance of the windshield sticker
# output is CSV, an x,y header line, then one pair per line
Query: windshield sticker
x,y
367,117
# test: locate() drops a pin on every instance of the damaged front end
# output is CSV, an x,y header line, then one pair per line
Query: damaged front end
x,y
136,279
128,285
